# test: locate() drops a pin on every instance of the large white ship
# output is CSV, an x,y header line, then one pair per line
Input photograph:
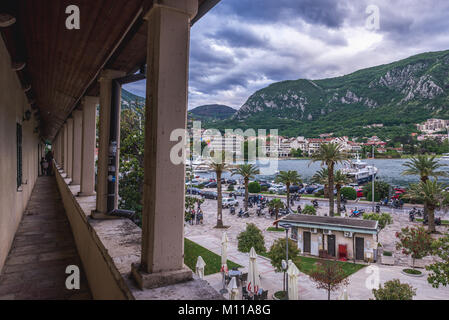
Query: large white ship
x,y
360,171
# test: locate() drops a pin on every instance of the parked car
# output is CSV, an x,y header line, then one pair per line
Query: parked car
x,y
232,182
210,195
229,202
311,188
359,193
211,185
193,190
294,188
240,191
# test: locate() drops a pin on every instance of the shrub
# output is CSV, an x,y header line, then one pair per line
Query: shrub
x,y
387,253
264,188
277,252
251,237
319,193
381,190
394,290
308,209
231,187
349,193
254,187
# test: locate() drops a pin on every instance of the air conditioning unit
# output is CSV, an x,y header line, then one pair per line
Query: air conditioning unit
x,y
314,230
348,234
329,232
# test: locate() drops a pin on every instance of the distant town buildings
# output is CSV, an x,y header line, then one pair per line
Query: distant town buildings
x,y
433,125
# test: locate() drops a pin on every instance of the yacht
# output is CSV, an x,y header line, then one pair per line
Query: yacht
x,y
360,171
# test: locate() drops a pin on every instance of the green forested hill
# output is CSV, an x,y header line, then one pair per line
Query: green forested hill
x,y
397,95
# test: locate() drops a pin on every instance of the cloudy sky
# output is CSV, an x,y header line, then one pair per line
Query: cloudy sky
x,y
241,46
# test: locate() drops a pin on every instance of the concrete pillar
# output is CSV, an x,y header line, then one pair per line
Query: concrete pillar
x,y
89,136
106,78
162,259
64,160
69,170
76,156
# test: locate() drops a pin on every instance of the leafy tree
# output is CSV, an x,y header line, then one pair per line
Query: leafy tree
x,y
297,153
381,190
254,187
288,178
330,154
276,204
394,290
247,171
219,167
415,242
439,271
310,210
329,275
278,250
424,166
322,177
340,180
349,193
383,219
432,194
251,237
132,158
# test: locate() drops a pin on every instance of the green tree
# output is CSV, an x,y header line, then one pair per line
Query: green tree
x,y
383,220
381,190
349,193
219,166
278,250
424,166
394,290
415,242
276,204
247,171
310,210
340,180
254,187
322,177
251,237
329,275
439,271
288,178
432,194
330,154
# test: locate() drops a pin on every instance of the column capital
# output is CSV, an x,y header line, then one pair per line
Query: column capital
x,y
188,7
109,75
90,100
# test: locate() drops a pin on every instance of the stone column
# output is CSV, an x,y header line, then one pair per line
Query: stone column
x,y
69,170
64,160
106,78
88,146
76,156
162,259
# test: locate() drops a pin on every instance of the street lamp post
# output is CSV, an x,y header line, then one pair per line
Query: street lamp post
x,y
286,227
372,183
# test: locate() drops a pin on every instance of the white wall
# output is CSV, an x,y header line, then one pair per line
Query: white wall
x,y
13,103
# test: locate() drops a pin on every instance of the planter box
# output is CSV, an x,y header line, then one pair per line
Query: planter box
x,y
388,260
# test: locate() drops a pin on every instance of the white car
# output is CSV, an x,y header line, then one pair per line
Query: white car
x,y
277,188
228,202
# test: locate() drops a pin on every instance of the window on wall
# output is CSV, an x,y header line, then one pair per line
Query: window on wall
x,y
19,155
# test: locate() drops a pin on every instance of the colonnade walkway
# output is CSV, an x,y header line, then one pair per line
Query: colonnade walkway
x,y
43,247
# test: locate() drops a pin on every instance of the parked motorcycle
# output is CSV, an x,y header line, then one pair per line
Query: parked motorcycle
x,y
377,209
357,213
411,216
232,210
315,203
243,214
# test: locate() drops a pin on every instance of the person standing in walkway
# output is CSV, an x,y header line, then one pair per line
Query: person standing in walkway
x,y
49,158
43,169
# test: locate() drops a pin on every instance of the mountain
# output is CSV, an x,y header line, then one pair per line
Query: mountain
x,y
129,100
211,112
397,95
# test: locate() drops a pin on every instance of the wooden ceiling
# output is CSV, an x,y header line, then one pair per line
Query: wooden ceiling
x,y
62,65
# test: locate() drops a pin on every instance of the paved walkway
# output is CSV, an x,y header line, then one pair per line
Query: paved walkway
x,y
42,249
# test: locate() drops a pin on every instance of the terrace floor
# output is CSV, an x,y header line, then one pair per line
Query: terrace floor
x,y
42,249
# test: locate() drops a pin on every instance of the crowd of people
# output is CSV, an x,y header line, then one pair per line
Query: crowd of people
x,y
196,216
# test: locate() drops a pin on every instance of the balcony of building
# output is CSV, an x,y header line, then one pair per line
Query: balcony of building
x,y
52,78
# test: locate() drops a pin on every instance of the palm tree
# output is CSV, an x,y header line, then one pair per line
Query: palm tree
x,y
432,193
424,166
321,177
340,179
330,154
288,178
276,204
247,171
219,167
